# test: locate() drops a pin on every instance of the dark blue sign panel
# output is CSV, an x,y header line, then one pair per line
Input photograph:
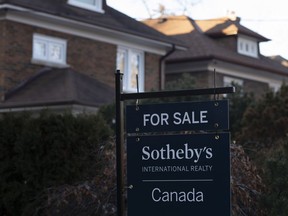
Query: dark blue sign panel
x,y
208,115
179,175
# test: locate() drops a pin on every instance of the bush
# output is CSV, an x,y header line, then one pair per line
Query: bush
x,y
47,151
264,137
276,177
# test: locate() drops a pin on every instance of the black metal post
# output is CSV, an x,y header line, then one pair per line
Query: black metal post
x,y
119,143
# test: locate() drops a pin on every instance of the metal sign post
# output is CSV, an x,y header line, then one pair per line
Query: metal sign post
x,y
119,144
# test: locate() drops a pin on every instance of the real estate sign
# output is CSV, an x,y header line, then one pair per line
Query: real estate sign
x,y
182,174
207,115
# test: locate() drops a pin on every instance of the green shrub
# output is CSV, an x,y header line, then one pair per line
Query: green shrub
x,y
50,150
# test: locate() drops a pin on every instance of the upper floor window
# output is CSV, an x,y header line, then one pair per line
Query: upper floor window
x,y
247,46
49,49
95,5
130,62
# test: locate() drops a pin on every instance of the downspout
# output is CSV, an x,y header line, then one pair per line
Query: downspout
x,y
162,67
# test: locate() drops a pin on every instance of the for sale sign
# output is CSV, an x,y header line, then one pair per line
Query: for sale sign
x,y
207,115
179,175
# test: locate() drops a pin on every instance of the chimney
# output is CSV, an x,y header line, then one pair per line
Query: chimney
x,y
231,15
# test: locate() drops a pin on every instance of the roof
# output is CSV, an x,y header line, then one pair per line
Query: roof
x,y
225,26
280,59
58,87
110,19
199,37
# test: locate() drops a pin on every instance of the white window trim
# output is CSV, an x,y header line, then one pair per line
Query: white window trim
x,y
247,42
228,81
46,60
275,87
141,75
97,5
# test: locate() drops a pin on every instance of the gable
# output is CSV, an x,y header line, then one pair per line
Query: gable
x,y
221,27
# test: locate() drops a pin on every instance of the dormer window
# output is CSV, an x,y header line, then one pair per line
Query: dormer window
x,y
94,5
247,46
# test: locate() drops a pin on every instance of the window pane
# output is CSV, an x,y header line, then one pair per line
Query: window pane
x,y
121,65
40,49
56,52
129,62
91,2
135,70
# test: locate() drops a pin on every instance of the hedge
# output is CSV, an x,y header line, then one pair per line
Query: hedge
x,y
46,151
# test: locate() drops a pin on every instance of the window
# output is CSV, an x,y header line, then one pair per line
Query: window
x,y
95,5
275,87
231,81
247,47
131,63
49,49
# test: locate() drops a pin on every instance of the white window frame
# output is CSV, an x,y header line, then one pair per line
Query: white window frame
x,y
247,46
228,81
95,6
128,85
47,53
275,87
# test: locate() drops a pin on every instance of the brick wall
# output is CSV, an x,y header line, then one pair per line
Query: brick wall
x,y
258,88
205,79
250,86
93,58
16,46
152,72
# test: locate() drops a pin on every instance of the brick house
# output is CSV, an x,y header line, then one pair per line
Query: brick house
x,y
64,53
222,44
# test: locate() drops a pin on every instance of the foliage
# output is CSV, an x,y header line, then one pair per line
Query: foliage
x,y
246,184
92,197
266,121
43,152
276,177
238,103
264,137
109,115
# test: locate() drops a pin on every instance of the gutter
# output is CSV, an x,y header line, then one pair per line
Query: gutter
x,y
162,67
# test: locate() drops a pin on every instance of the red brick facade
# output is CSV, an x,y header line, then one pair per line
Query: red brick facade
x,y
94,58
